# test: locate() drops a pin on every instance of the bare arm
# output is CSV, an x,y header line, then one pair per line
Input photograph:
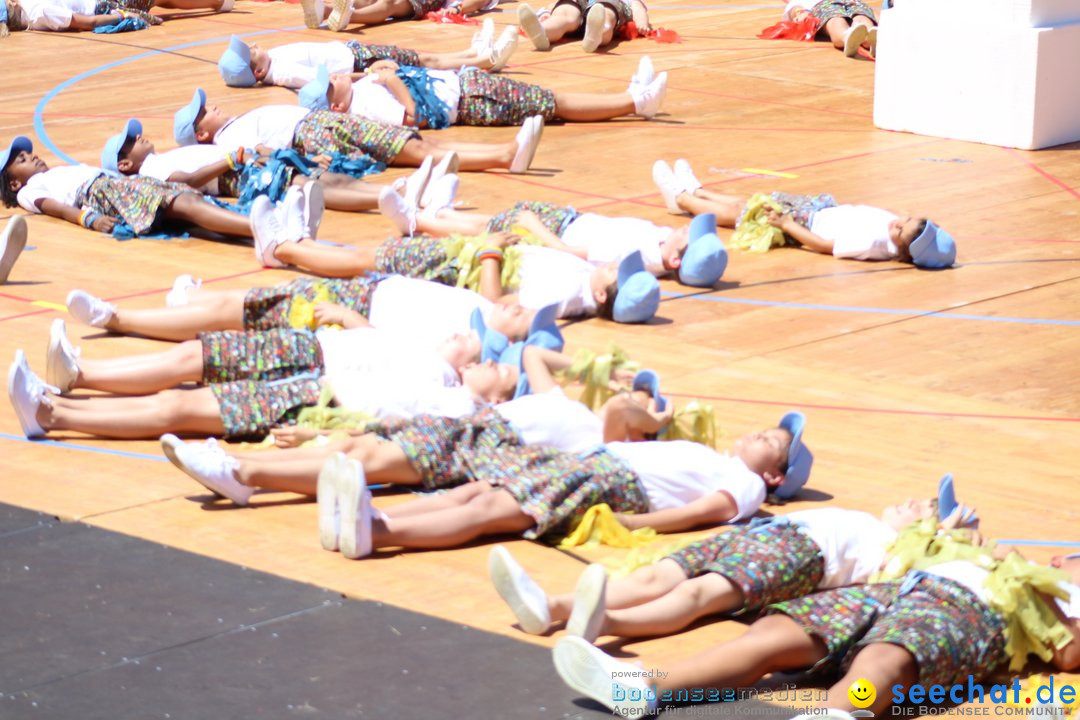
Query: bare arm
x,y
800,233
541,364
531,222
713,509
491,278
401,93
89,22
334,314
625,419
53,208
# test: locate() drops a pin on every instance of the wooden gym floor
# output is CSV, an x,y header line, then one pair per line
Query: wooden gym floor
x,y
903,374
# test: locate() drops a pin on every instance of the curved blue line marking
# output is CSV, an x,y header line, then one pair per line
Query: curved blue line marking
x,y
874,310
87,448
39,111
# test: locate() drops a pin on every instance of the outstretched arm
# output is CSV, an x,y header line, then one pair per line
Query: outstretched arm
x,y
541,364
203,175
56,209
528,220
800,233
713,509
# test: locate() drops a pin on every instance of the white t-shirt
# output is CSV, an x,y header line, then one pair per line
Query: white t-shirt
x,y
374,100
551,418
966,573
294,65
270,125
187,159
60,183
676,472
550,276
1071,605
852,543
54,14
389,374
610,239
858,232
794,5
429,311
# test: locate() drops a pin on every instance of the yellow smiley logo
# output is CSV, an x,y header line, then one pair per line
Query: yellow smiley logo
x,y
862,693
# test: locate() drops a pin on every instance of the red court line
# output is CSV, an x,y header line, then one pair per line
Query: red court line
x,y
1060,183
15,297
882,411
87,115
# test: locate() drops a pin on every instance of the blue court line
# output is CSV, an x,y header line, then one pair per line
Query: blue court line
x,y
39,111
1040,543
874,310
86,448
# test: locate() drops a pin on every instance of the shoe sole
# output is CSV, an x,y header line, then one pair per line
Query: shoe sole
x,y
56,372
314,206
354,510
534,30
326,496
14,240
502,576
854,40
169,443
208,484
19,361
577,663
594,29
341,15
871,40
311,16
424,175
588,613
672,206
537,134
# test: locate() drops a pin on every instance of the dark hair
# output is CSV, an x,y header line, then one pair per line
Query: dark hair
x,y
8,196
905,252
607,308
126,148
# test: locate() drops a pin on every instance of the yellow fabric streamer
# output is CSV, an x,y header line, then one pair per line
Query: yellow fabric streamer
x,y
695,421
595,371
754,233
1014,584
463,249
324,417
599,526
302,310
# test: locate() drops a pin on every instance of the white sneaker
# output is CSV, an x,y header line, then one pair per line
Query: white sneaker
x,y
645,73
610,682
594,28
502,50
854,38
417,182
448,165
314,207
90,310
291,214
314,10
207,464
267,230
668,185
340,16
227,6
326,494
684,176
12,243
394,208
182,286
589,603
354,501
647,100
534,30
527,141
871,41
26,392
483,40
442,195
62,360
526,599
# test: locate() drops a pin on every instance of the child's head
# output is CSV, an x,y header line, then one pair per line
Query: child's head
x,y
17,165
625,292
14,17
126,151
910,511
778,455
696,252
243,65
490,381
196,122
460,349
1068,563
921,242
510,318
327,91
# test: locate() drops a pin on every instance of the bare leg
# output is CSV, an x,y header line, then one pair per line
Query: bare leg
x,y
626,420
698,597
380,11
564,19
640,586
773,643
863,20
836,27
383,461
191,208
492,156
727,208
489,513
143,374
590,107
149,416
348,194
188,4
453,61
283,472
217,310
327,260
884,665
458,497
450,222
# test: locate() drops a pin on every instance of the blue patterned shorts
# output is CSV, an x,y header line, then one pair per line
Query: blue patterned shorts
x,y
554,217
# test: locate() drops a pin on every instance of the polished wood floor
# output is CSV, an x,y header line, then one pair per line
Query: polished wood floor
x,y
904,374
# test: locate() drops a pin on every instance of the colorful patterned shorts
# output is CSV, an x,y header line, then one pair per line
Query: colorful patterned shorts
x,y
139,201
949,632
488,99
365,54
826,10
800,207
423,7
104,7
228,184
329,132
270,307
419,256
249,408
438,446
769,563
581,5
259,355
555,488
555,217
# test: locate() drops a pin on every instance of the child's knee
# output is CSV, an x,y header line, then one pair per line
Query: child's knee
x,y
885,661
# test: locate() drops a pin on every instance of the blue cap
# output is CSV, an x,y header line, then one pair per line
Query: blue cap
x,y
648,381
934,248
542,333
185,117
799,460
313,95
639,292
235,64
110,154
19,144
705,258
946,497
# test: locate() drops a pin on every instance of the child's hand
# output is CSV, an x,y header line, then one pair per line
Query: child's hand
x,y
323,161
103,223
378,65
663,417
775,218
154,19
329,314
290,437
621,379
502,240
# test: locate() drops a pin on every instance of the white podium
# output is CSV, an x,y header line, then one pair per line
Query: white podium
x,y
1001,72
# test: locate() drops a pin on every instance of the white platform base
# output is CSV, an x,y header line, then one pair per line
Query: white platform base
x,y
981,77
